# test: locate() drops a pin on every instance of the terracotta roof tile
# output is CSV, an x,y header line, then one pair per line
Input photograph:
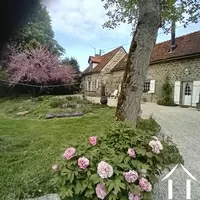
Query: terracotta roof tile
x,y
104,59
95,59
86,70
186,45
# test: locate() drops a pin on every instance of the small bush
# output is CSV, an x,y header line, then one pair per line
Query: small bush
x,y
148,125
127,161
166,94
57,102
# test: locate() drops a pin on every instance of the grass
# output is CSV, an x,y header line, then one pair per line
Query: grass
x,y
39,107
28,146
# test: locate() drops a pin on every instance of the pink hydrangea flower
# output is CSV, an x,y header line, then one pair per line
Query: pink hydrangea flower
x,y
131,176
69,153
101,191
93,140
145,185
54,167
156,146
83,162
104,170
132,196
131,152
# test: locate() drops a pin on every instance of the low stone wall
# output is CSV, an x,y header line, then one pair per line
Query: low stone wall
x,y
111,101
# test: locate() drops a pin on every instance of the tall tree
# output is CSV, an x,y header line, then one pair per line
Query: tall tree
x,y
75,65
147,16
37,31
71,61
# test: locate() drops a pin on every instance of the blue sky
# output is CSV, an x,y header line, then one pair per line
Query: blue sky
x,y
78,28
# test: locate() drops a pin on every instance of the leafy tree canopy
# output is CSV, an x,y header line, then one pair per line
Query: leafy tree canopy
x,y
37,31
126,11
72,62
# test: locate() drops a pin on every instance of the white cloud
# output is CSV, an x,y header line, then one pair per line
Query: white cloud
x,y
83,19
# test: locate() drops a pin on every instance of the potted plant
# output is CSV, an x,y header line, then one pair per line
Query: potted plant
x,y
103,99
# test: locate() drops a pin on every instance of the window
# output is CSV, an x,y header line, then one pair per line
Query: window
x,y
146,86
188,89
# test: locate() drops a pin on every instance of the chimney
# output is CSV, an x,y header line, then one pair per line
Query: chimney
x,y
173,36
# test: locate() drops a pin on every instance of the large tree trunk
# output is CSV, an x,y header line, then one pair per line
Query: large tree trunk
x,y
142,44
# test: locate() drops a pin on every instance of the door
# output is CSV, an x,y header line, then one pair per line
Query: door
x,y
187,93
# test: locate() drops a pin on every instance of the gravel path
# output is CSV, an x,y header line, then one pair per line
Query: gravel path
x,y
183,124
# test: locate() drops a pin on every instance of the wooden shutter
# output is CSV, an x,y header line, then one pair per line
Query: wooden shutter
x,y
91,85
152,86
97,83
87,86
177,91
195,92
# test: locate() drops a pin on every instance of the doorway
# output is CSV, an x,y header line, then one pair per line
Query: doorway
x,y
187,93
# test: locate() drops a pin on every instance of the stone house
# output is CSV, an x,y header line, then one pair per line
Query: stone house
x,y
99,72
181,62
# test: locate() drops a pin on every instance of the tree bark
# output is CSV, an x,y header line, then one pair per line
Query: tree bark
x,y
142,44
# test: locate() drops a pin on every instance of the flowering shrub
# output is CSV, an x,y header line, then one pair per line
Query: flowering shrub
x,y
125,164
39,67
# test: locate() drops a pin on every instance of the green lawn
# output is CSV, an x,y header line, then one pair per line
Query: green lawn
x,y
28,148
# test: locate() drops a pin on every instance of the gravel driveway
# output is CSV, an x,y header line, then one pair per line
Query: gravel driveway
x,y
183,124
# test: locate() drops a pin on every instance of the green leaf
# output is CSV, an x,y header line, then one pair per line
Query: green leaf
x,y
94,177
69,193
77,188
126,160
124,198
71,177
149,154
112,196
111,186
89,193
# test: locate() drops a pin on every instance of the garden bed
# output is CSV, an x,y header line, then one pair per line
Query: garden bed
x,y
46,107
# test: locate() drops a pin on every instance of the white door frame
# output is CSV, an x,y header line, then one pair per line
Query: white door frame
x,y
187,93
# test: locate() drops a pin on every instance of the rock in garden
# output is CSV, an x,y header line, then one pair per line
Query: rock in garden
x,y
78,106
22,113
61,115
27,101
47,197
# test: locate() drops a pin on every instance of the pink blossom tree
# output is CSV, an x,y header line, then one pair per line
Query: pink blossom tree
x,y
38,67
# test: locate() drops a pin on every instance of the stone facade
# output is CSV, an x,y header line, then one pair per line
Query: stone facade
x,y
181,65
158,72
176,72
91,83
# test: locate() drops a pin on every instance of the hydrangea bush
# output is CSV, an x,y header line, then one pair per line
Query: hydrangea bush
x,y
124,164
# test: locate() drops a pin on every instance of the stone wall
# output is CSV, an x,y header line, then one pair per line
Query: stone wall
x,y
105,76
94,90
175,71
158,72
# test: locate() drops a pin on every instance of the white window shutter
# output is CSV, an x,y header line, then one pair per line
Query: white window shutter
x,y
152,86
119,88
90,85
195,92
177,91
97,84
87,86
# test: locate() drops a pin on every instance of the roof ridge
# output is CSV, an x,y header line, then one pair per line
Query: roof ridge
x,y
181,36
112,50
